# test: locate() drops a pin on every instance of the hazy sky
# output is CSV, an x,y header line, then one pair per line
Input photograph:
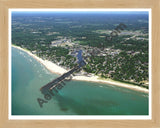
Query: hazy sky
x,y
84,12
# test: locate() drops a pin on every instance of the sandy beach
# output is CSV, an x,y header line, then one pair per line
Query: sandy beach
x,y
59,70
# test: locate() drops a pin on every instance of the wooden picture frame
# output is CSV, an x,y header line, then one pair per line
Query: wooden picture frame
x,y
4,63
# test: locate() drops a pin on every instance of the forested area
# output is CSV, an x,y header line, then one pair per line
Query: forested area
x,y
35,32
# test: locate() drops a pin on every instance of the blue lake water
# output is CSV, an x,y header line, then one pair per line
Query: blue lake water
x,y
75,98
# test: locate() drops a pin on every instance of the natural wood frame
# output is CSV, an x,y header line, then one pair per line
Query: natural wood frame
x,y
4,75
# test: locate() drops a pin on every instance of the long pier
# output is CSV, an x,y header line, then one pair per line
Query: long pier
x,y
52,84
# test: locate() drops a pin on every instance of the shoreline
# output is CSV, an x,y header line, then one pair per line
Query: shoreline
x,y
59,70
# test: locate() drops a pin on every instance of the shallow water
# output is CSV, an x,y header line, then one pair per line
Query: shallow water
x,y
75,98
